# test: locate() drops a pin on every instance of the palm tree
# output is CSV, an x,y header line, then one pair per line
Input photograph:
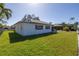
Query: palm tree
x,y
5,13
72,19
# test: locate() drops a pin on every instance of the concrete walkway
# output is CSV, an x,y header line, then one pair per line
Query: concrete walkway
x,y
78,42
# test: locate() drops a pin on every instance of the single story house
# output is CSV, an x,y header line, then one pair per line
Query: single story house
x,y
32,25
58,26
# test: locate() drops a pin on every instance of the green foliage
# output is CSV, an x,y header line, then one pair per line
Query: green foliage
x,y
75,25
60,44
71,27
64,24
1,25
66,28
72,18
1,5
5,13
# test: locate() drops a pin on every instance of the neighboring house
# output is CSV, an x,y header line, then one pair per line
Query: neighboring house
x,y
6,27
32,25
12,27
58,26
1,28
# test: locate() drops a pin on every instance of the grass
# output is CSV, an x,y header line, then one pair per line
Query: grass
x,y
60,44
1,32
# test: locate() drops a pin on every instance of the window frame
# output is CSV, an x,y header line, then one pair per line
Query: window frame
x,y
47,27
39,27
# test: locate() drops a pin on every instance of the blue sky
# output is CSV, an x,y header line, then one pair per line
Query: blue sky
x,y
55,13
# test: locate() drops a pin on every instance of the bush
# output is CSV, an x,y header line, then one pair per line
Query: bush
x,y
54,31
66,28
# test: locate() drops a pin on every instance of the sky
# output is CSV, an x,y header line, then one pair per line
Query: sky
x,y
49,12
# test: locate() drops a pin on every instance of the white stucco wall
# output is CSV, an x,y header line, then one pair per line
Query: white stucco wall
x,y
29,29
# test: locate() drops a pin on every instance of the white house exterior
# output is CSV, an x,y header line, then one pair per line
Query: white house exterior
x,y
31,26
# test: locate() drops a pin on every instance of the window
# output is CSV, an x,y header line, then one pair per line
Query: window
x,y
39,27
47,27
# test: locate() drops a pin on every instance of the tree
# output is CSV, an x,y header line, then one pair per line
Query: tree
x,y
63,24
1,25
66,28
74,24
5,13
72,20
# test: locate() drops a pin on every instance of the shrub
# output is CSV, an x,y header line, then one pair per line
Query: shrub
x,y
66,28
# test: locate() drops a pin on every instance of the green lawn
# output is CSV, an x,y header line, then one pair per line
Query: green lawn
x,y
59,44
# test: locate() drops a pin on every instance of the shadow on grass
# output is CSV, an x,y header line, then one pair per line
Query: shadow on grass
x,y
1,33
14,37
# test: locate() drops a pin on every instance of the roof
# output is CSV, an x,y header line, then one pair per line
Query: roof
x,y
58,25
29,19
